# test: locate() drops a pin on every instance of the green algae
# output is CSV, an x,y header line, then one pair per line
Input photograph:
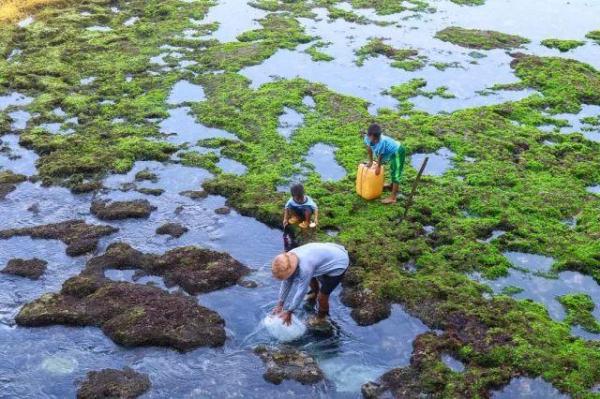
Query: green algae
x,y
316,54
562,45
579,309
414,88
516,183
594,35
480,39
401,58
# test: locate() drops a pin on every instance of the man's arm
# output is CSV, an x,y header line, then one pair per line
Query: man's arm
x,y
302,286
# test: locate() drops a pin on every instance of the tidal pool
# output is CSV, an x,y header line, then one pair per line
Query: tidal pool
x,y
289,121
184,91
439,162
533,388
529,273
181,126
353,356
322,157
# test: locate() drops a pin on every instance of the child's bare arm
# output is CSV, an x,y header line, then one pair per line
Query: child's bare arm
x,y
286,216
317,216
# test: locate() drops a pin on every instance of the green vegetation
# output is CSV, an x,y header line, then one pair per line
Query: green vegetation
x,y
480,39
317,55
562,45
402,58
579,309
594,35
516,183
414,88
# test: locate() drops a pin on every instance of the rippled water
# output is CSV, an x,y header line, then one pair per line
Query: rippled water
x,y
47,362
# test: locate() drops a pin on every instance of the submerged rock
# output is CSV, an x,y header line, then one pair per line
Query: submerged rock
x,y
86,187
196,270
287,363
130,314
8,182
146,175
194,194
150,191
117,210
225,210
79,236
112,383
30,268
173,229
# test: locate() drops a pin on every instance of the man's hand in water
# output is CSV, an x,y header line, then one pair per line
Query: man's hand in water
x,y
286,317
278,309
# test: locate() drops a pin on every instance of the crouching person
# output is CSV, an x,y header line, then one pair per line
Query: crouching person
x,y
318,267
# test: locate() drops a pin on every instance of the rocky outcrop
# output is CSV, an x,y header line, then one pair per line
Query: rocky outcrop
x,y
146,174
196,270
30,268
130,314
79,236
8,182
112,383
173,229
117,210
287,363
367,309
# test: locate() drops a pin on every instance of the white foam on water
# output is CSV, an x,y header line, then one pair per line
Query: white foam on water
x,y
275,327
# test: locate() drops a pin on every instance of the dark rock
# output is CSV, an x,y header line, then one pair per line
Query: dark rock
x,y
130,314
77,234
367,309
127,186
287,363
151,191
31,268
173,229
86,187
194,269
194,194
121,209
225,210
146,175
112,383
6,189
248,284
82,247
34,208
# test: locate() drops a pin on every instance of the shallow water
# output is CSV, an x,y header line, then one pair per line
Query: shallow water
x,y
439,162
182,127
322,157
184,91
452,363
523,387
45,362
63,354
290,121
541,288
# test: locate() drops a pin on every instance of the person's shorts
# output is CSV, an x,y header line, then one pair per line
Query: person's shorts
x,y
329,283
396,163
299,211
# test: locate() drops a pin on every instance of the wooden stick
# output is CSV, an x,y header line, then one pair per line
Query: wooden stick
x,y
409,199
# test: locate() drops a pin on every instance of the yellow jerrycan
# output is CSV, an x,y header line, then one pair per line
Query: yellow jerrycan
x,y
368,184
